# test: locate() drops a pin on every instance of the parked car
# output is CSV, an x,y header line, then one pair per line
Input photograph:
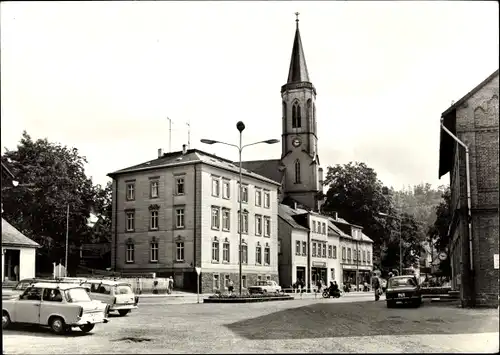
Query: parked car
x,y
403,289
265,286
117,294
61,306
18,289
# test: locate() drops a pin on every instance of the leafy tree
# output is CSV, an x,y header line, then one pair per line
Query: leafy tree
x,y
51,177
359,196
412,238
101,231
438,232
355,193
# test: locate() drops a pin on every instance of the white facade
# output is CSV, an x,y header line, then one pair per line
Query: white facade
x,y
252,239
27,262
299,248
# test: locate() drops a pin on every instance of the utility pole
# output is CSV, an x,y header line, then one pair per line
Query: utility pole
x,y
67,242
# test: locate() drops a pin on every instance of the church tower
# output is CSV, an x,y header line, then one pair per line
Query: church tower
x,y
299,137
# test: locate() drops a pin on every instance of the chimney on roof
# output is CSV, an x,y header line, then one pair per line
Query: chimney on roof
x,y
160,152
295,205
335,215
320,175
184,149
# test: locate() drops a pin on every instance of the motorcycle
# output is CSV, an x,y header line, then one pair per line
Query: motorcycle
x,y
326,293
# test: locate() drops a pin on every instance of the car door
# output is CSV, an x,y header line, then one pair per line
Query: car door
x,y
52,303
27,308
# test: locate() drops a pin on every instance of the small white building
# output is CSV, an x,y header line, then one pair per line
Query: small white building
x,y
18,254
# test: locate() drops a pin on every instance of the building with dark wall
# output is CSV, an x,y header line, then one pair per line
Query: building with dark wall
x,y
474,121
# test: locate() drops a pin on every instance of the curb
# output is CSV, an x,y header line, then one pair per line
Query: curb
x,y
246,300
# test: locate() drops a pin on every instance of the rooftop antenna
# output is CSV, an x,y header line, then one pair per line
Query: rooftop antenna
x,y
189,134
169,135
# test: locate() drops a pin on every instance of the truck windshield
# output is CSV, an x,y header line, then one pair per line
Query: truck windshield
x,y
77,295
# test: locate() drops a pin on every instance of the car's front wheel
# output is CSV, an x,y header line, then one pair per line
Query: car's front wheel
x,y
87,327
5,320
57,325
391,304
123,312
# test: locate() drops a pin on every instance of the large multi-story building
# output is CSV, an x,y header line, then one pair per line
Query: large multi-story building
x,y
181,211
474,228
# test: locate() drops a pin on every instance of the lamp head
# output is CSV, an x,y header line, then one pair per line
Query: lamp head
x,y
272,141
240,126
15,183
208,141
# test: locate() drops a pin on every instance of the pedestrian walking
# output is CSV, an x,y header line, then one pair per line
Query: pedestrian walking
x,y
230,286
170,285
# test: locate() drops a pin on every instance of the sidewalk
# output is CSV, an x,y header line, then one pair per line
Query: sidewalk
x,y
178,294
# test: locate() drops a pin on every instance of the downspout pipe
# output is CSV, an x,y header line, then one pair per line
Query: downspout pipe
x,y
309,263
469,204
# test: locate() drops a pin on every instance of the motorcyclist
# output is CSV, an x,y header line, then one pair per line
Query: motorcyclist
x,y
334,289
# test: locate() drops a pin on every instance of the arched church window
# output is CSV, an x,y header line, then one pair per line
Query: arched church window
x,y
297,171
296,119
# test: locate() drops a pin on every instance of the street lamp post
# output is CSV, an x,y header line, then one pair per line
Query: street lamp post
x,y
240,126
400,240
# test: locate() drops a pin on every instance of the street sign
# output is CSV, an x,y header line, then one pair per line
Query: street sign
x,y
442,256
198,270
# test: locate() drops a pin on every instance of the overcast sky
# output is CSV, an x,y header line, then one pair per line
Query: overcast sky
x,y
104,77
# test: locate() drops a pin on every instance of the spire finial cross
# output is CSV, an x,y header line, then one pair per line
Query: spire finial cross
x,y
297,19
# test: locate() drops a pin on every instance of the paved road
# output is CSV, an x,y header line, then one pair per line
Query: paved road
x,y
322,325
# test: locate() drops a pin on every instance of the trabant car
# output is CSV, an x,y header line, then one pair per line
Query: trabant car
x,y
61,306
403,289
117,294
265,286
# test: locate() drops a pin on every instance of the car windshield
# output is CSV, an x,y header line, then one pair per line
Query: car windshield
x,y
77,295
122,290
403,281
261,283
23,285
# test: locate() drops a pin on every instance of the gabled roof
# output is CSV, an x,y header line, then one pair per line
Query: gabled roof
x,y
192,156
271,169
7,171
447,143
286,213
332,227
12,237
470,93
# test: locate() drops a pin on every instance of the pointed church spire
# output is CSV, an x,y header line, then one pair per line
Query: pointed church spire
x,y
298,68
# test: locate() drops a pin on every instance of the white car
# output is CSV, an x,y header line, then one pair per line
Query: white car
x,y
265,286
117,294
61,306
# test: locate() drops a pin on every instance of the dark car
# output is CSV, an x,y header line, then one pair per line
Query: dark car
x,y
403,289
